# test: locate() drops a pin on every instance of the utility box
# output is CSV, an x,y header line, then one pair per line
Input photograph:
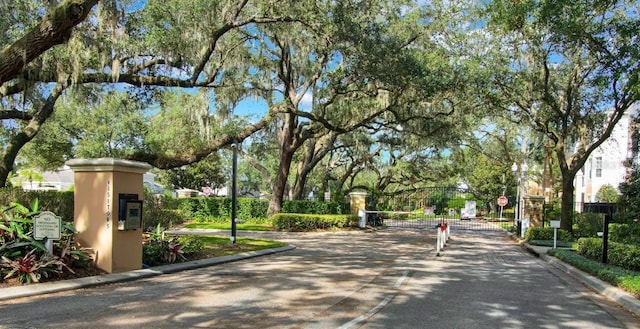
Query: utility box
x,y
108,213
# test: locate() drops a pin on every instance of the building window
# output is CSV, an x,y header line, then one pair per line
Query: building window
x,y
599,167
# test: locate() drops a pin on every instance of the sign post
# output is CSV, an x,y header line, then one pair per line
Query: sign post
x,y
556,225
502,201
47,225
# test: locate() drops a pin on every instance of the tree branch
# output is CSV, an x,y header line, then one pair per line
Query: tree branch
x,y
54,29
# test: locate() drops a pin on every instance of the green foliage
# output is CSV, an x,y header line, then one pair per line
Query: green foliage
x,y
208,209
309,222
629,201
587,224
625,279
88,123
314,207
607,193
60,203
30,268
590,248
191,244
619,254
206,172
159,249
546,233
625,233
158,211
26,258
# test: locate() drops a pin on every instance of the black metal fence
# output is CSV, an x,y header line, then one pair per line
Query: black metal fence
x,y
427,207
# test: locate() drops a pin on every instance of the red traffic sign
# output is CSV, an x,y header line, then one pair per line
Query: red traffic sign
x,y
502,201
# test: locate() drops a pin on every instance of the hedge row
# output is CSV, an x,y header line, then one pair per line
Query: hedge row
x,y
309,222
314,207
60,203
546,233
618,254
249,208
626,279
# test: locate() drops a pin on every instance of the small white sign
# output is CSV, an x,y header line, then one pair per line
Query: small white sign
x,y
47,225
469,209
555,223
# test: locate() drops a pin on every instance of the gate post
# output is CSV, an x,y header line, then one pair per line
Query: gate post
x,y
533,209
358,205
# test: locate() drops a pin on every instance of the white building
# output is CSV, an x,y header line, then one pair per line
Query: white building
x,y
605,166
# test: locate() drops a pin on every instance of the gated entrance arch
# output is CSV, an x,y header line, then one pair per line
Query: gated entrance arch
x,y
425,208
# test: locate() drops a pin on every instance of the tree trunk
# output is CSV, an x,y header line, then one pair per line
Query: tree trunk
x,y
280,182
567,202
304,168
28,132
287,147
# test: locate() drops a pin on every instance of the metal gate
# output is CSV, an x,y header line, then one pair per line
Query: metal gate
x,y
429,207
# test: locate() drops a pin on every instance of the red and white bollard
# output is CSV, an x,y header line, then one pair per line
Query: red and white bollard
x,y
442,237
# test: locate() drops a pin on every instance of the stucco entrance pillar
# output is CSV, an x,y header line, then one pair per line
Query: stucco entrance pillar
x,y
533,209
102,187
358,205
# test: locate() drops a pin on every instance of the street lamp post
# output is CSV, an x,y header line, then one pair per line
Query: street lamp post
x,y
234,190
520,174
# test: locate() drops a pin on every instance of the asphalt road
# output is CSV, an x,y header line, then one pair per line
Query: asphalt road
x,y
383,279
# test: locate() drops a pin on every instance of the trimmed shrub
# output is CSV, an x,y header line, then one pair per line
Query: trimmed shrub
x,y
191,244
626,279
60,203
618,254
586,225
201,207
546,233
309,222
313,207
590,248
251,209
625,233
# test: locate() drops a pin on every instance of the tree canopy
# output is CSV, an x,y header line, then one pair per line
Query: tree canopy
x,y
403,93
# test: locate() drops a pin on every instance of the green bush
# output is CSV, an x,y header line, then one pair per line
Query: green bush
x,y
618,254
26,258
60,203
313,207
587,225
157,210
625,279
625,233
191,244
590,248
251,209
201,207
546,233
309,222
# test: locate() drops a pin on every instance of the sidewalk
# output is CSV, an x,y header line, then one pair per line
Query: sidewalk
x,y
616,294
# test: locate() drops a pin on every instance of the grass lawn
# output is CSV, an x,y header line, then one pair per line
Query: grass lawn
x,y
227,226
215,246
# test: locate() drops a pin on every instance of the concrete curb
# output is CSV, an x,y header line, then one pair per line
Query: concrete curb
x,y
51,287
618,295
